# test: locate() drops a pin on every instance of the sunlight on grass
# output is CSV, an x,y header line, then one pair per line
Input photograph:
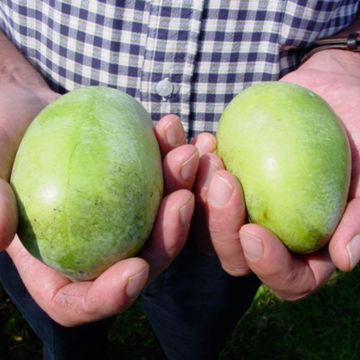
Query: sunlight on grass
x,y
323,326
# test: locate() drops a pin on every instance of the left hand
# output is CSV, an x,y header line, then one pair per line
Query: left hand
x,y
241,248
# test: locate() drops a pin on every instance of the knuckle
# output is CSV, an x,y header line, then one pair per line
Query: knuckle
x,y
291,277
293,297
292,286
240,269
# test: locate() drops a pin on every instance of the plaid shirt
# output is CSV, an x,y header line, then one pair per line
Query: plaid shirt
x,y
175,56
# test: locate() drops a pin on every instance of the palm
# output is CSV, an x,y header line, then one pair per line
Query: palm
x,y
335,77
74,303
342,91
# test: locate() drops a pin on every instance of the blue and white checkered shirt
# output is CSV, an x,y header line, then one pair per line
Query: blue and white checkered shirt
x,y
176,56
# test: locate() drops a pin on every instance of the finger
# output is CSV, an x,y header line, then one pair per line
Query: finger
x,y
75,303
344,246
180,166
205,143
208,165
170,231
226,215
290,277
112,292
169,133
8,214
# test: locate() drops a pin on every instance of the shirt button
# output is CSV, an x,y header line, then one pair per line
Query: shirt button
x,y
164,88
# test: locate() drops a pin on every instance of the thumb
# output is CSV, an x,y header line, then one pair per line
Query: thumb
x,y
290,276
8,214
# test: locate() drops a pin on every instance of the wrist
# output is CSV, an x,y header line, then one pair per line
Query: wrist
x,y
14,80
348,42
335,60
16,72
345,44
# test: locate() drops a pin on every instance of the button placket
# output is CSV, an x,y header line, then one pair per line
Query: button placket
x,y
164,75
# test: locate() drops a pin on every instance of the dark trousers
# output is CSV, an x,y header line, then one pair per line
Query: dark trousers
x,y
192,307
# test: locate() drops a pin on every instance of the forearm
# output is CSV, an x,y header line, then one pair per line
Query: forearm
x,y
16,70
23,93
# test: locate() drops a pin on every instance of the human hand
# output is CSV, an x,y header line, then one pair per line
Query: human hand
x,y
244,247
335,76
74,303
18,106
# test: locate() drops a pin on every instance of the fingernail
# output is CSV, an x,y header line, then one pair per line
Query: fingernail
x,y
252,246
186,212
136,283
174,135
212,167
205,143
187,169
220,191
353,249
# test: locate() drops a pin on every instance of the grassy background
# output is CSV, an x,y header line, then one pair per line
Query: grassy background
x,y
323,326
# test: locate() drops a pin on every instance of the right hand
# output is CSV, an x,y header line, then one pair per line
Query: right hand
x,y
75,303
18,106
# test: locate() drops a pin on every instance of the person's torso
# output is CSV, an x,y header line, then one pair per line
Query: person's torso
x,y
181,56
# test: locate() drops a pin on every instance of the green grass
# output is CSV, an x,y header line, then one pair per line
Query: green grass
x,y
323,326
17,341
